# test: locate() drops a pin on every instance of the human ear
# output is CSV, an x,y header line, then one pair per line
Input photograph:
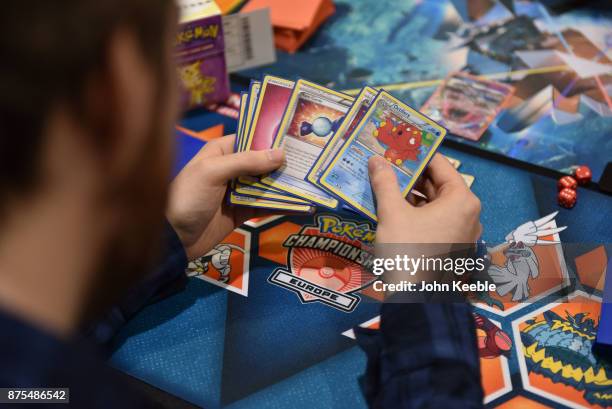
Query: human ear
x,y
121,101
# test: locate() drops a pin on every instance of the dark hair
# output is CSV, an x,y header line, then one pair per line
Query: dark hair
x,y
47,51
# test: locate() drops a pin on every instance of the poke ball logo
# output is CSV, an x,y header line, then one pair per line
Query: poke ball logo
x,y
328,262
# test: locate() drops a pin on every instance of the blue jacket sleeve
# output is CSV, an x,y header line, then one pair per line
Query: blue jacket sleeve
x,y
424,356
169,274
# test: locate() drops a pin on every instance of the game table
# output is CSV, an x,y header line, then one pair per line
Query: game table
x,y
220,348
250,343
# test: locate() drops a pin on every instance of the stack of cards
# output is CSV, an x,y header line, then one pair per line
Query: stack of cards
x,y
328,138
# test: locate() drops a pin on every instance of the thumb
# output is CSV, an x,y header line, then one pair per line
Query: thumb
x,y
231,166
389,199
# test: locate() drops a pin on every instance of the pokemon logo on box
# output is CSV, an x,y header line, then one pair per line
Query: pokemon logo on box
x,y
200,53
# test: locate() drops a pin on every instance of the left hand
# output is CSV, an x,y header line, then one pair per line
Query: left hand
x,y
197,209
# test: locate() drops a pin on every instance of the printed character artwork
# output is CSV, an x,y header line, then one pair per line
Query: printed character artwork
x,y
556,359
494,349
492,340
527,267
400,141
467,105
218,258
196,83
227,264
314,122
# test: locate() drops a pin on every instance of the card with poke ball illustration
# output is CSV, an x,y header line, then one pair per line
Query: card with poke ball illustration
x,y
393,130
258,196
351,119
313,114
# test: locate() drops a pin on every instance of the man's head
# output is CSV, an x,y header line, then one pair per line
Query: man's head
x,y
87,94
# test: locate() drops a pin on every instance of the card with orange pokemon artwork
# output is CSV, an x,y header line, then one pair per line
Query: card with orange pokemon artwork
x,y
390,129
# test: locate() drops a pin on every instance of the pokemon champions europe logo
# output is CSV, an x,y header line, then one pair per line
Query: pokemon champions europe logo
x,y
328,262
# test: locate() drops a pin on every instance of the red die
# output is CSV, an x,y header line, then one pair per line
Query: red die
x,y
567,182
567,198
583,175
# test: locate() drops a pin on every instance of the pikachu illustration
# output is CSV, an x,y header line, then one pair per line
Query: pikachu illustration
x,y
197,84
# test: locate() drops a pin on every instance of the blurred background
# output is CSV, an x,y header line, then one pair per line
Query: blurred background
x,y
556,55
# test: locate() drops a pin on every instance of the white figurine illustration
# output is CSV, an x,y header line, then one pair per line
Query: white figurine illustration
x,y
521,261
219,257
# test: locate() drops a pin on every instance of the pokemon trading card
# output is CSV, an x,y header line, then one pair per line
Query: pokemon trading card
x,y
393,130
274,95
312,116
241,118
241,194
466,105
353,116
254,91
243,123
254,188
267,113
239,130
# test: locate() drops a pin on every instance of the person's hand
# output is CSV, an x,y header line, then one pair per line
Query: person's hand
x,y
450,214
197,210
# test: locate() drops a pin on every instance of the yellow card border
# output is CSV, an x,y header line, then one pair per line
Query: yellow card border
x,y
241,119
332,202
243,97
249,117
348,118
253,181
244,189
264,84
351,138
240,200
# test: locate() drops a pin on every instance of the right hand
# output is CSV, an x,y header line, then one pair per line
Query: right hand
x,y
450,215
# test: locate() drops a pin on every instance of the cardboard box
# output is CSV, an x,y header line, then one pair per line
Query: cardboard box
x,y
200,54
294,21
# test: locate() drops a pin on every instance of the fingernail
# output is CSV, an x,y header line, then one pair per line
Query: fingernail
x,y
376,163
275,155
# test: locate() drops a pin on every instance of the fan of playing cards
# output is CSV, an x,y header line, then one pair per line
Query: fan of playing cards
x,y
328,138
